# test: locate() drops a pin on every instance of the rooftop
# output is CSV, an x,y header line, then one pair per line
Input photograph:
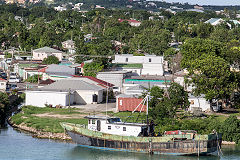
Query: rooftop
x,y
72,85
47,50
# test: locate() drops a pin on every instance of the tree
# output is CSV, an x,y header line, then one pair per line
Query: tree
x,y
4,107
91,69
51,60
211,76
164,106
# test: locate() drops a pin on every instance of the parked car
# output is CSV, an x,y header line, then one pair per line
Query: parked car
x,y
9,60
13,75
14,80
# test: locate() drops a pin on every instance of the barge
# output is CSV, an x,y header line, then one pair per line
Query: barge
x,y
111,134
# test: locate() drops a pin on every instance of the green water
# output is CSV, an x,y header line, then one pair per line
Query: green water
x,y
15,145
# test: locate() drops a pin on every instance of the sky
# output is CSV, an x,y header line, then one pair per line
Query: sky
x,y
208,2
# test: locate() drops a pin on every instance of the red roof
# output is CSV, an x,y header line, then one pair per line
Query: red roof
x,y
99,81
2,79
43,69
48,81
129,20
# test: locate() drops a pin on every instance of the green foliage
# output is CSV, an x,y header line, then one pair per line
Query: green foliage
x,y
4,107
8,55
51,60
34,79
91,69
27,116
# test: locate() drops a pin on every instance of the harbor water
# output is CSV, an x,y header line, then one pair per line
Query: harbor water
x,y
16,145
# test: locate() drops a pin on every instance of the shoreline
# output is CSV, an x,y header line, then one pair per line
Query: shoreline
x,y
40,134
60,136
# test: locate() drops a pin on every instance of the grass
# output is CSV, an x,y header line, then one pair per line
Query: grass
x,y
45,124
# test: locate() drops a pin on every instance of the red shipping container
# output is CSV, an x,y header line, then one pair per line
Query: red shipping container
x,y
130,103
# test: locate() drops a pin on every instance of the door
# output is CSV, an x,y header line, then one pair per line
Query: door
x,y
98,125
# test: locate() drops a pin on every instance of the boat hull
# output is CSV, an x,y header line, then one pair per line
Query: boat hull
x,y
182,147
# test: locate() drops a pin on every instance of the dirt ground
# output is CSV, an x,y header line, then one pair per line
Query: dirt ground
x,y
85,110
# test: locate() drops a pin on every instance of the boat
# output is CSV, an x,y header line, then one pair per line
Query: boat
x,y
110,133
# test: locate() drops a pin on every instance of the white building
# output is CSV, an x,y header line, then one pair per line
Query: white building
x,y
69,45
60,8
152,64
3,84
115,78
64,91
198,102
41,53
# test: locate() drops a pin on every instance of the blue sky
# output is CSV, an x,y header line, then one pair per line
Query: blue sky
x,y
208,2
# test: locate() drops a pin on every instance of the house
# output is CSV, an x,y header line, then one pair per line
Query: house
x,y
63,92
198,102
57,72
3,84
215,21
41,53
129,103
114,77
152,64
95,81
69,45
60,8
138,84
131,22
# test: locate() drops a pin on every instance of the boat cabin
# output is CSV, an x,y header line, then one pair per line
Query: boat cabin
x,y
114,125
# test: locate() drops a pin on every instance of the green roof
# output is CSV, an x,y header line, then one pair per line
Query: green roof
x,y
27,65
136,65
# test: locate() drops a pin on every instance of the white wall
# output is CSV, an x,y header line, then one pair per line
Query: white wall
x,y
3,85
86,97
40,98
199,102
138,59
116,129
152,69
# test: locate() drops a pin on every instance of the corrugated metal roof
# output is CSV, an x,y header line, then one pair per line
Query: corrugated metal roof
x,y
60,69
73,85
47,50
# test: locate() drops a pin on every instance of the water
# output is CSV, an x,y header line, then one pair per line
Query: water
x,y
15,145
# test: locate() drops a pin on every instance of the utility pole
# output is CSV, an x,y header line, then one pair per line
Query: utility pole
x,y
69,96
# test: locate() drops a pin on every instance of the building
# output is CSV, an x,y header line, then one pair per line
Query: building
x,y
57,72
3,84
131,22
198,102
41,53
63,92
151,64
69,45
129,103
215,21
114,77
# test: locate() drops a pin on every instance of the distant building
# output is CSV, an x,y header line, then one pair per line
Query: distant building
x,y
215,21
114,77
60,8
132,22
63,92
41,53
69,45
151,64
3,84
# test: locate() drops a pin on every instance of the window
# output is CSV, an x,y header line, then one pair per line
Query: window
x,y
2,84
89,121
126,59
150,60
120,102
38,54
93,121
124,129
109,127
